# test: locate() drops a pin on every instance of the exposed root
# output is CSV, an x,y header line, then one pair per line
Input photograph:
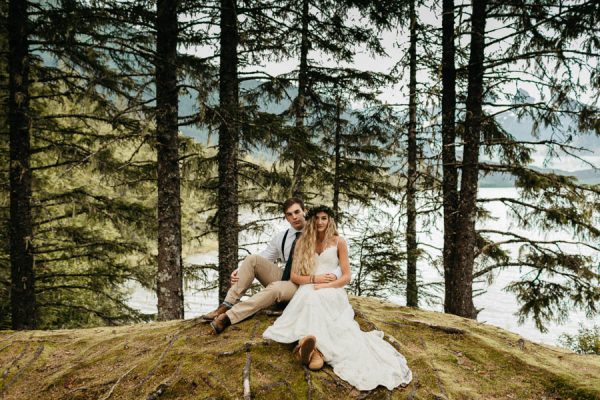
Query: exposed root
x,y
222,384
254,329
157,392
246,346
162,388
162,356
36,355
16,360
440,384
370,325
308,383
446,329
415,385
8,337
337,380
112,389
270,386
395,324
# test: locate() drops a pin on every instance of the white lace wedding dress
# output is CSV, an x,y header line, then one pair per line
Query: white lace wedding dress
x,y
363,359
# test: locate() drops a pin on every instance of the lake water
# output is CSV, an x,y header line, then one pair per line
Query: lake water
x,y
498,307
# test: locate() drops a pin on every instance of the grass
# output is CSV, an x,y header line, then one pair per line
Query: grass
x,y
451,358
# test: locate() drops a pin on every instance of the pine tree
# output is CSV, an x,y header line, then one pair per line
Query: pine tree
x,y
169,287
23,304
227,214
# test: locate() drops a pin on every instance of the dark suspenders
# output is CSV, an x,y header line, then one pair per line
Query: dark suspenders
x,y
283,245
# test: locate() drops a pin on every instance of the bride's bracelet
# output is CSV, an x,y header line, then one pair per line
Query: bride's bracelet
x,y
312,278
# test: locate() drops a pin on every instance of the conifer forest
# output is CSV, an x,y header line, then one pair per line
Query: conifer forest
x,y
134,133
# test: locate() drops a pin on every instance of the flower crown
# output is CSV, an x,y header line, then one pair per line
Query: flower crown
x,y
320,208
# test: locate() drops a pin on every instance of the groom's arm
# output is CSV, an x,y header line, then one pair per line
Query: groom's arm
x,y
271,252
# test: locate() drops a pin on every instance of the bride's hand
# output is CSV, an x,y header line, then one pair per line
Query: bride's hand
x,y
325,278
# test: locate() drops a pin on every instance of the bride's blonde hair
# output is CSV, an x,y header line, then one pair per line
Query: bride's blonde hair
x,y
304,252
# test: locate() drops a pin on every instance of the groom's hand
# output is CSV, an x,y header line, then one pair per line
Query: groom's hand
x,y
234,277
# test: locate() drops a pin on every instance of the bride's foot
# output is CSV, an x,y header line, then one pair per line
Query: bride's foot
x,y
305,349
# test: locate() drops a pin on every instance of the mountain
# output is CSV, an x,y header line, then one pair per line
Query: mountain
x,y
498,179
451,358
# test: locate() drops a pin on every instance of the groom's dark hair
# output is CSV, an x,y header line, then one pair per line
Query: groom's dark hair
x,y
290,202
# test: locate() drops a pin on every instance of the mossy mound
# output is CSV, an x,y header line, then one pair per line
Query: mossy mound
x,y
451,358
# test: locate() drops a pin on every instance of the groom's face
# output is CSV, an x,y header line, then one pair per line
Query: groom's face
x,y
295,216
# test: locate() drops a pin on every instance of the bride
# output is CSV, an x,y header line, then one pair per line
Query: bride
x,y
320,317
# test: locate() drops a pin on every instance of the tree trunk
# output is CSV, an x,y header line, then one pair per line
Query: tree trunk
x,y
450,172
227,214
22,292
337,148
169,279
412,295
300,106
462,298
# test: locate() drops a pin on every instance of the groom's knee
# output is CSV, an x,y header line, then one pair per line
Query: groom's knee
x,y
249,262
281,290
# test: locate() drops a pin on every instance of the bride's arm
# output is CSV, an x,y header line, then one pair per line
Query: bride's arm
x,y
343,280
306,279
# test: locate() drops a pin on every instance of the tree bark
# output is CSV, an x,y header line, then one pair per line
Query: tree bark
x,y
22,293
462,299
169,279
300,106
227,214
450,172
338,159
412,294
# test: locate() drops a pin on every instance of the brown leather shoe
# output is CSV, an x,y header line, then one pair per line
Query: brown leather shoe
x,y
220,323
316,361
304,349
215,313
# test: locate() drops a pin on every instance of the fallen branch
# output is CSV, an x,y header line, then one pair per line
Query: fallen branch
x,y
271,313
246,375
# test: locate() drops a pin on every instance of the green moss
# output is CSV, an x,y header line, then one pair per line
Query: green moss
x,y
181,360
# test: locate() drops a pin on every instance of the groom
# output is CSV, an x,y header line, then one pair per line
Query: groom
x,y
263,267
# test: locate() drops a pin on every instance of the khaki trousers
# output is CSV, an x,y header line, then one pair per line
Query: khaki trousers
x,y
269,275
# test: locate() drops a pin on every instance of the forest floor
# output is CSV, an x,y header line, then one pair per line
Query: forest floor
x,y
451,358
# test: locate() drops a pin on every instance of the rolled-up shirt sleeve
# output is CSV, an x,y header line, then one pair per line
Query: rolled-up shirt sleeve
x,y
271,252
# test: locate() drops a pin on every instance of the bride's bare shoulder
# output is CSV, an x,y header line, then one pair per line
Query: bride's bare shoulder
x,y
340,240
